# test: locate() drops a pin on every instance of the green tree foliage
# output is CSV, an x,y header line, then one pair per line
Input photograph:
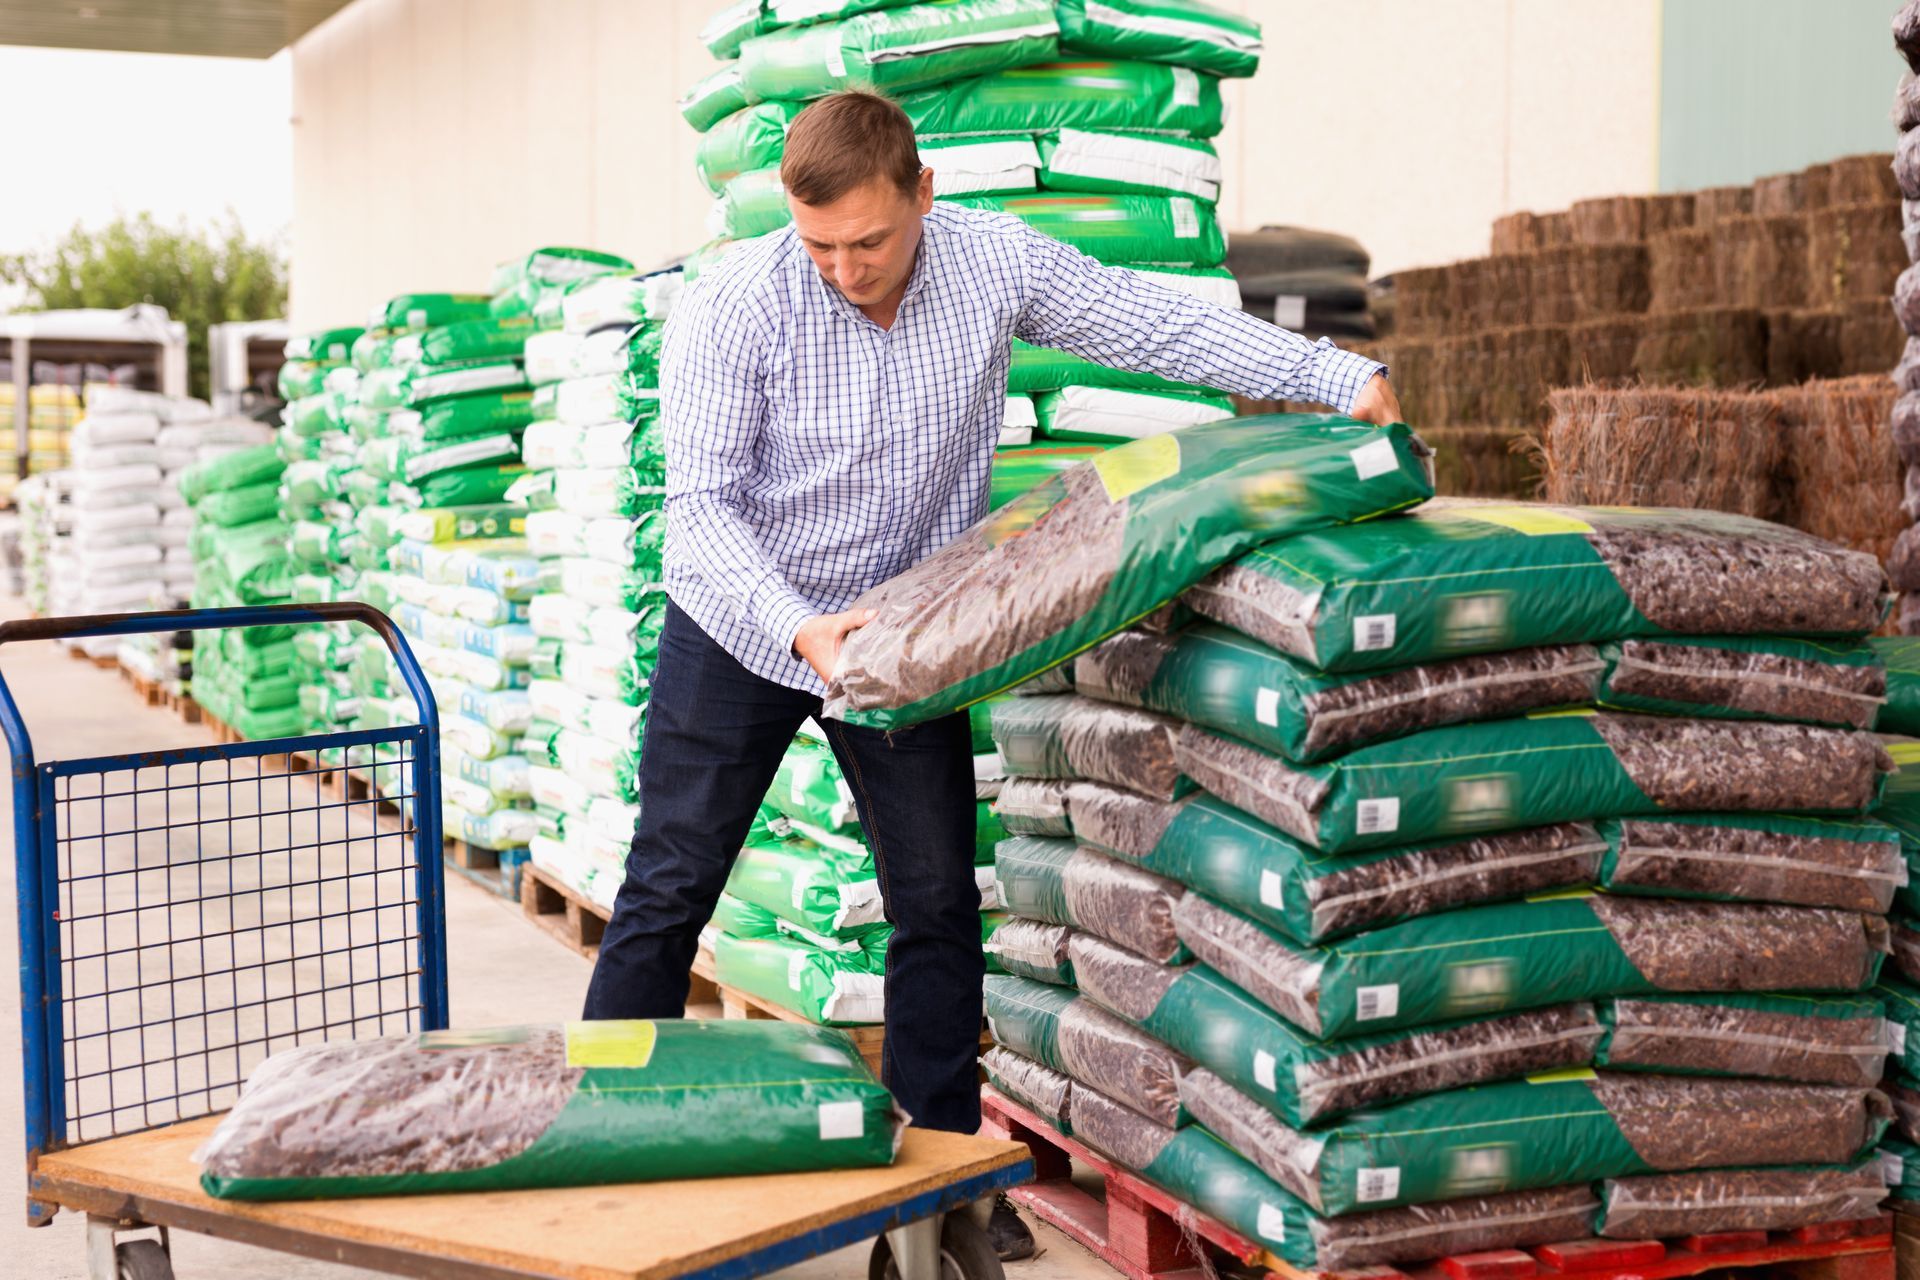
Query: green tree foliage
x,y
205,276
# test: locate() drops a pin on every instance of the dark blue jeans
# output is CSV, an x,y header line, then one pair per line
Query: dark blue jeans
x,y
714,735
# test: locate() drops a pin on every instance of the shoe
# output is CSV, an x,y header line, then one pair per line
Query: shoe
x,y
1011,1240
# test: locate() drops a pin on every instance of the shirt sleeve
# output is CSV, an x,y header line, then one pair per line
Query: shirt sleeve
x,y
1121,319
712,370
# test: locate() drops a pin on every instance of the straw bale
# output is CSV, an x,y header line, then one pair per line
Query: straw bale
x,y
1760,262
1680,269
1412,365
1715,203
1802,344
1865,179
1780,194
1501,377
1664,447
1871,339
1585,282
1555,229
1854,251
1608,219
1421,299
1482,462
1601,351
1844,474
1706,347
1516,233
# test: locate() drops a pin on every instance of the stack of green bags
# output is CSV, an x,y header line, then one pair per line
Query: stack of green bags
x,y
1089,121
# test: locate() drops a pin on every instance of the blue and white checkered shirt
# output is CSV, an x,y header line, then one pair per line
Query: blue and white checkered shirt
x,y
811,453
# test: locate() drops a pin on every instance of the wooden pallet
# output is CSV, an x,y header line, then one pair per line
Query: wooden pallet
x,y
1146,1234
562,911
152,692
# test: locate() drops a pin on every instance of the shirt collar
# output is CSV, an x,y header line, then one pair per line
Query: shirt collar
x,y
916,281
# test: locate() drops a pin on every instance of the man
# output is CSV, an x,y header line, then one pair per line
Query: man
x,y
831,400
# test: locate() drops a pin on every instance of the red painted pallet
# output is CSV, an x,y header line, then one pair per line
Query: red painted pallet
x,y
1146,1234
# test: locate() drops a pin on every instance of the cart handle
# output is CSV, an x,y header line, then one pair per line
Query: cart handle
x,y
253,615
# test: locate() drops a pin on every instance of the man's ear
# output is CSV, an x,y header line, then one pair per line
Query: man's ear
x,y
924,196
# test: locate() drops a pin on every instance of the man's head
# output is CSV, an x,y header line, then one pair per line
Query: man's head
x,y
857,192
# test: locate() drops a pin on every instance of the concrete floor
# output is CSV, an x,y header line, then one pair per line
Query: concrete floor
x,y
502,971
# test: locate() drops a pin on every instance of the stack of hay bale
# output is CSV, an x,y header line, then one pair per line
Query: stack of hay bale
x,y
1109,151
1386,922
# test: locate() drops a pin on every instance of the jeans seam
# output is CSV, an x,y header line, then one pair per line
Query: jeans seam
x,y
869,824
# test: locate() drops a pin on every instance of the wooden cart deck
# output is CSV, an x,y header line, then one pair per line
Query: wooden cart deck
x,y
720,1227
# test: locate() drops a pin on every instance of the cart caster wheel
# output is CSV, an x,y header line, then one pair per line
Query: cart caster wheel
x,y
965,1253
143,1260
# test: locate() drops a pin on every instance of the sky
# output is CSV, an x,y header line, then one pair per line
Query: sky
x,y
126,132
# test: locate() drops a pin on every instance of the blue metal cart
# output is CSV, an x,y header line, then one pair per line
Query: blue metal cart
x,y
184,913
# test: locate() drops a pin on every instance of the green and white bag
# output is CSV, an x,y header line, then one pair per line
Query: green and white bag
x,y
1526,955
1848,864
1058,1029
832,988
1461,576
982,165
1748,678
501,829
750,205
893,51
1062,883
608,586
1076,94
563,617
1064,735
413,311
1187,32
1037,369
826,894
590,1102
1174,230
1129,163
1100,546
1834,1040
1112,414
715,96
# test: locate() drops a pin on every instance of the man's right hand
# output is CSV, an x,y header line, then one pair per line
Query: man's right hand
x,y
819,639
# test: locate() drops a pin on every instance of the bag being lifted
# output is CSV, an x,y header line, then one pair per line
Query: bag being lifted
x,y
1101,545
510,1107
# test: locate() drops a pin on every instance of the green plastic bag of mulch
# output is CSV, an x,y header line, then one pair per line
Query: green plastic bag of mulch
x,y
556,265
332,346
1129,164
714,96
1529,954
299,379
1024,1015
1844,863
322,706
1543,768
1899,809
374,349
308,486
1177,230
1036,369
313,543
895,50
831,988
1748,678
754,138
1074,94
1102,545
462,417
237,470
1511,575
1061,882
317,414
413,311
272,722
469,342
1900,1001
1188,33
1901,657
240,506
1017,470
751,205
743,919
426,385
822,892
1213,676
1819,1039
809,788
1900,1168
469,486
583,1103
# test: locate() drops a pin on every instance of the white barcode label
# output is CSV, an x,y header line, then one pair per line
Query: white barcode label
x,y
836,60
1373,1003
1374,631
1186,219
1272,893
1378,1184
1290,311
1893,1169
842,1120
1186,87
1263,1065
1375,458
796,966
1271,1224
1377,817
1266,707
1897,1037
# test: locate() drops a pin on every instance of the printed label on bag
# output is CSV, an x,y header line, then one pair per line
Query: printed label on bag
x,y
1186,219
1378,1184
1290,311
1266,707
1375,458
796,966
610,1044
1377,817
1186,87
1372,1003
1893,1169
1897,1037
836,59
1263,1065
1272,891
1270,1223
1374,631
842,1120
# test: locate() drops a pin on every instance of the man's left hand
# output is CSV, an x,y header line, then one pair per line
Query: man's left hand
x,y
1376,402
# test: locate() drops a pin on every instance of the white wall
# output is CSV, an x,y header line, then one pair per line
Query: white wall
x,y
435,137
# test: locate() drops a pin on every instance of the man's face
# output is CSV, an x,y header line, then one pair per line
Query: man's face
x,y
864,242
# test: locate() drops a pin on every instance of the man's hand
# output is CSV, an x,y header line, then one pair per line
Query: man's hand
x,y
1376,402
819,639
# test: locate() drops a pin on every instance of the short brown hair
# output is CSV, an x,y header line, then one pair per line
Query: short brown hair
x,y
846,140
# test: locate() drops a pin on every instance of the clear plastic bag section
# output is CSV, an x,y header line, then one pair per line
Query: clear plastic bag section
x,y
1035,806
1815,1041
1683,1204
1771,680
1800,861
1288,1156
1475,1224
1069,736
1064,883
1117,1132
1033,949
1104,1053
1119,980
1040,1089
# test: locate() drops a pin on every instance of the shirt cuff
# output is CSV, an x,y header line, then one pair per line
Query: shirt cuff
x,y
1339,376
780,616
